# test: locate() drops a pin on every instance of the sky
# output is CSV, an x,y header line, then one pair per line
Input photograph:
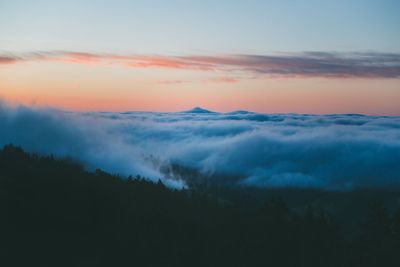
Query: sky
x,y
266,56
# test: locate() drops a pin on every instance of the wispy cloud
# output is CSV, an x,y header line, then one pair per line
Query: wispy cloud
x,y
305,64
7,60
218,79
224,79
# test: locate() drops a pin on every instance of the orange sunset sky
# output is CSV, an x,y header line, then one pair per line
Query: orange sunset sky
x,y
126,55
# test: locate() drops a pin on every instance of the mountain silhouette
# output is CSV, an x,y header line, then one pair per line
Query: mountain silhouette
x,y
199,110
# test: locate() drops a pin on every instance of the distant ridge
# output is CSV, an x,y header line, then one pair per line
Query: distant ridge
x,y
199,110
239,112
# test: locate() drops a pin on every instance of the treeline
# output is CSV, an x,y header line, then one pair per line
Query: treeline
x,y
55,213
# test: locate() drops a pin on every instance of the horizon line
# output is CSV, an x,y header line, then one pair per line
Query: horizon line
x,y
188,111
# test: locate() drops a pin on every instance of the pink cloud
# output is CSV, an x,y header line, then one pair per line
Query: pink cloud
x,y
7,60
224,79
307,64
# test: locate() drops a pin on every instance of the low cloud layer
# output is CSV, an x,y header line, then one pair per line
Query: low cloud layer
x,y
306,64
335,152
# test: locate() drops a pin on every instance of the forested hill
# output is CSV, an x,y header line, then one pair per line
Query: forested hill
x,y
55,213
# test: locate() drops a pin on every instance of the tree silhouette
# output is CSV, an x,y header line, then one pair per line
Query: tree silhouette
x,y
53,212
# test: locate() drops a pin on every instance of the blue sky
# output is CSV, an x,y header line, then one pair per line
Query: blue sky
x,y
185,27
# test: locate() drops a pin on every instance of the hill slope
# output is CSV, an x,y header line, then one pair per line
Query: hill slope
x,y
54,213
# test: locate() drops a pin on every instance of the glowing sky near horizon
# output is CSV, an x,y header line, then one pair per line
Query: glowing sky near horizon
x,y
221,55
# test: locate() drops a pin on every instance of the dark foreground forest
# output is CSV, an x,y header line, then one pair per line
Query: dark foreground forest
x,y
55,213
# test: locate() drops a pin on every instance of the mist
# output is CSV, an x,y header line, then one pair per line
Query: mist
x,y
332,152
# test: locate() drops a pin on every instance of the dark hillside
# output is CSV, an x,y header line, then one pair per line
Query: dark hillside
x,y
54,213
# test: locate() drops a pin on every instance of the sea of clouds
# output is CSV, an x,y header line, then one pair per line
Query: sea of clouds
x,y
334,152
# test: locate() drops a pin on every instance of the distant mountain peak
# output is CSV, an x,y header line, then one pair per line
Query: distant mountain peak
x,y
199,110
